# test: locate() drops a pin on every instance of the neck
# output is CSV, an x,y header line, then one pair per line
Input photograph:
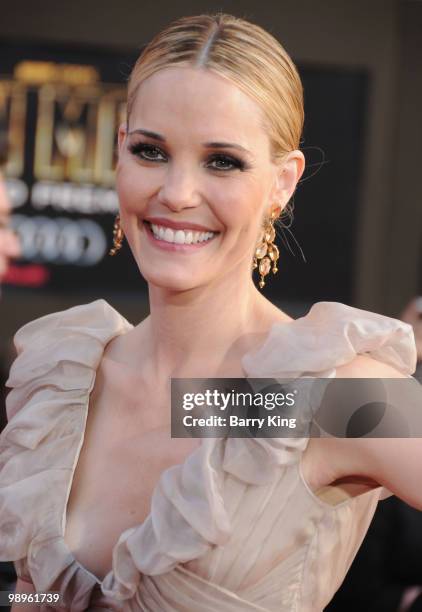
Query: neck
x,y
203,329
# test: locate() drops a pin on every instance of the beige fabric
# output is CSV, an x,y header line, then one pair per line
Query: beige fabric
x,y
235,527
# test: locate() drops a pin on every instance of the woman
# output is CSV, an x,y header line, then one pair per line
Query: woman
x,y
102,505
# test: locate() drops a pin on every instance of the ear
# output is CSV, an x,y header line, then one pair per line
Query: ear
x,y
288,175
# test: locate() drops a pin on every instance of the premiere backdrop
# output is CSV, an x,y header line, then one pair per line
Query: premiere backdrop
x,y
61,107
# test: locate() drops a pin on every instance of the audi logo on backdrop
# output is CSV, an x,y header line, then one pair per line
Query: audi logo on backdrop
x,y
60,240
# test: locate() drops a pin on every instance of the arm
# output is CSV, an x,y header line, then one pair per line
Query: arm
x,y
24,587
395,463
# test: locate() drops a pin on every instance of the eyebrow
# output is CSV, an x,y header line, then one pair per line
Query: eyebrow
x,y
211,145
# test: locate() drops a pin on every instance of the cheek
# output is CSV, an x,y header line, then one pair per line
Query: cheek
x,y
242,211
241,216
133,188
236,202
125,188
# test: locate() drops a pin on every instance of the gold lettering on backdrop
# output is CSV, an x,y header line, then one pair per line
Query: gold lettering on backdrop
x,y
40,73
76,132
45,162
111,113
67,134
12,116
77,118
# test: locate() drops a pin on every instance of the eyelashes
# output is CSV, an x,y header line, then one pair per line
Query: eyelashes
x,y
146,151
152,153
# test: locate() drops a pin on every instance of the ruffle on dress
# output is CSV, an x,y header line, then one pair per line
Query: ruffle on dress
x,y
329,336
51,380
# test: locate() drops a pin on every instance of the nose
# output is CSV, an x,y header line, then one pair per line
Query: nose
x,y
180,189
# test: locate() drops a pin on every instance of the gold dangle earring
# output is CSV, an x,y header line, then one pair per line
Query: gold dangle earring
x,y
266,252
118,236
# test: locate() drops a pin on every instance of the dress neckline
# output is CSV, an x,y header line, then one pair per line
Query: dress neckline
x,y
254,363
87,399
130,327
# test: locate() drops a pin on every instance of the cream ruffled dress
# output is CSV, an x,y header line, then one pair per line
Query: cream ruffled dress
x,y
231,508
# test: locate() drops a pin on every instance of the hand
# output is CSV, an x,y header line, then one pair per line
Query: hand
x,y
413,314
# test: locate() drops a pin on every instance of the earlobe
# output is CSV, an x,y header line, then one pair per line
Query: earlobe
x,y
276,210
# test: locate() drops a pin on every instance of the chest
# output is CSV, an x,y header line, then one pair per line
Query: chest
x,y
124,452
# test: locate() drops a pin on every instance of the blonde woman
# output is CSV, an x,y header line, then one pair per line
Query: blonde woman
x,y
98,502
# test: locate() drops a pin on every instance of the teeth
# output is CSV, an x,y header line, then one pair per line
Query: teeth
x,y
180,236
168,235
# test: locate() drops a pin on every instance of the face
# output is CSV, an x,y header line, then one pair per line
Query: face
x,y
9,245
195,179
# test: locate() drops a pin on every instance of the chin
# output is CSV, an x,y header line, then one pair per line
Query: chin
x,y
172,282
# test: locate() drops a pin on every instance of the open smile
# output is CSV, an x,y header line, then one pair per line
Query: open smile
x,y
185,240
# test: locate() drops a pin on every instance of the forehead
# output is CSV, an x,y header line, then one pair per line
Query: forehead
x,y
200,102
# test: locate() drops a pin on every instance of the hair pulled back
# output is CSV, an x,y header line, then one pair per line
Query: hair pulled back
x,y
241,51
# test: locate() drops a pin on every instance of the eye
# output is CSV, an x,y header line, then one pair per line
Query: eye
x,y
152,153
147,152
226,162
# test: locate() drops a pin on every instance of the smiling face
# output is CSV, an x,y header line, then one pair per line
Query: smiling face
x,y
196,157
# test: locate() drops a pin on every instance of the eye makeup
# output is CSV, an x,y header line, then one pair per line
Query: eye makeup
x,y
152,153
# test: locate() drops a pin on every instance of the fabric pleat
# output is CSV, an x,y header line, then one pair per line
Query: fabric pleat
x,y
234,527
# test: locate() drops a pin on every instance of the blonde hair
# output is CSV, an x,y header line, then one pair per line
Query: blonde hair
x,y
244,53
